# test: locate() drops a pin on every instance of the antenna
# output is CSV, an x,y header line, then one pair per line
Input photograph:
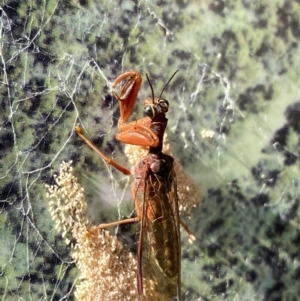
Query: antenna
x,y
150,87
167,84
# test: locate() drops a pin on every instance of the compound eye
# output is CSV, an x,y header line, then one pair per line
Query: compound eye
x,y
164,104
149,111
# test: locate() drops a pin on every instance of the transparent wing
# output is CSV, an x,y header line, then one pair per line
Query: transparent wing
x,y
160,238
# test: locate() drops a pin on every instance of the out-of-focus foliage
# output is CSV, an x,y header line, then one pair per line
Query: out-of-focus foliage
x,y
238,78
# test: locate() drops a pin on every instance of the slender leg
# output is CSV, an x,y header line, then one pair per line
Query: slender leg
x,y
124,221
117,223
192,238
108,160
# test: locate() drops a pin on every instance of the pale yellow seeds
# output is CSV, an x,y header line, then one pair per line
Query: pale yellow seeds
x,y
107,268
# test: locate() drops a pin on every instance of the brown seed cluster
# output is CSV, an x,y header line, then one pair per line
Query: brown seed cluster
x,y
107,268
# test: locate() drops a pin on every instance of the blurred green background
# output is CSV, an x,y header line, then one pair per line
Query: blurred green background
x,y
238,77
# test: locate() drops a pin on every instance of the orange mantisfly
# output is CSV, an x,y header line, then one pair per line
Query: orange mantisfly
x,y
154,187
